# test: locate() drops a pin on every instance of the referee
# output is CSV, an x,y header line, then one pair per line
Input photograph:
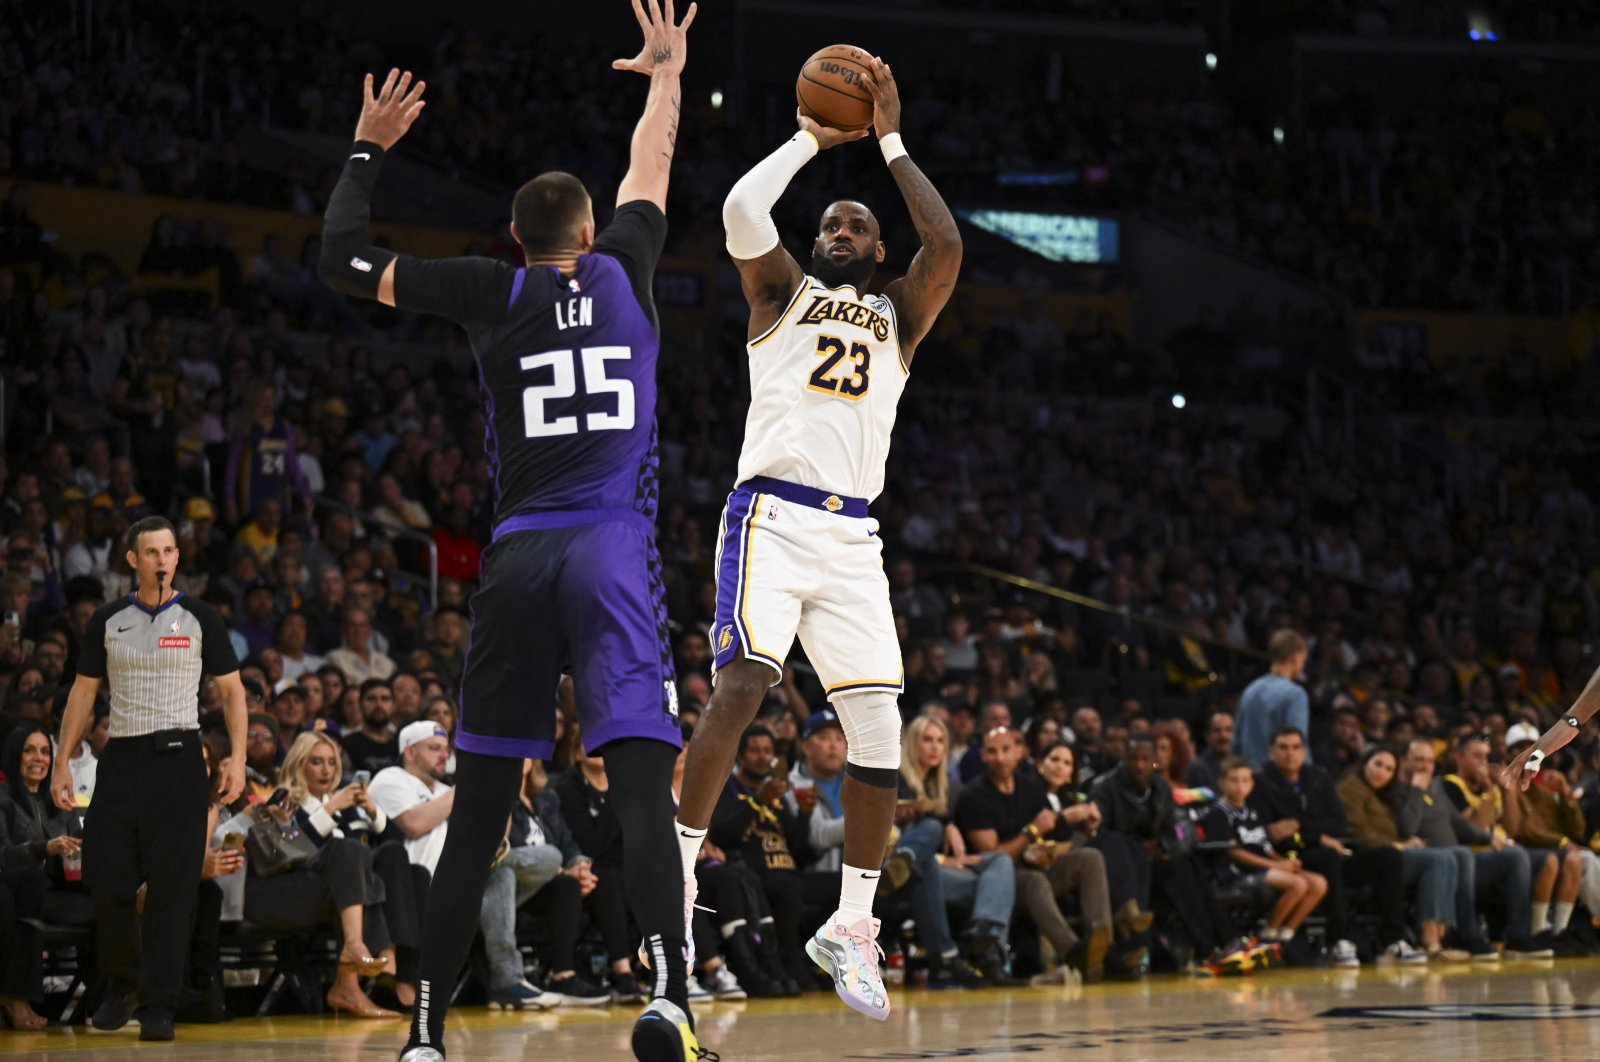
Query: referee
x,y
147,823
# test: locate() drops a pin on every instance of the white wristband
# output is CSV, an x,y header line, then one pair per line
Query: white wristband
x,y
891,147
1535,758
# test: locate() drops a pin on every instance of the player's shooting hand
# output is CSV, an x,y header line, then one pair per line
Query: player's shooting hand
x,y
826,135
387,114
885,99
666,46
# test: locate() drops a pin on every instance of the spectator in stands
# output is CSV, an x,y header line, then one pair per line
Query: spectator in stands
x,y
447,645
335,887
1127,864
374,747
1253,857
85,765
261,747
545,868
1346,744
34,832
1549,818
1007,811
1304,817
1483,804
22,891
1273,701
1174,753
326,812
263,464
982,882
752,823
257,621
356,657
583,792
1088,730
1206,770
289,709
412,796
1424,809
91,555
1368,794
813,799
290,639
996,715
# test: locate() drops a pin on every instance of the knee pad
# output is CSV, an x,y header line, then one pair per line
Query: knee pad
x,y
871,722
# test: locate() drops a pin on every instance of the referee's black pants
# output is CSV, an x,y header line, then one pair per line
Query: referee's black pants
x,y
146,826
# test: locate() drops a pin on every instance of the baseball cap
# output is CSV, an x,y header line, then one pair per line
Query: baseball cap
x,y
420,731
826,717
1508,671
1520,733
199,509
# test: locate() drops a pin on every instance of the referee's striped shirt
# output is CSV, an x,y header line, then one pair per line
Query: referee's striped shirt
x,y
152,661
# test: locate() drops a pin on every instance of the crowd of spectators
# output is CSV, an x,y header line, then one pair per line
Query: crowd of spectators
x,y
1475,199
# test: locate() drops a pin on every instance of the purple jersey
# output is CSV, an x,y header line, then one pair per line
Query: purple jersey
x,y
567,369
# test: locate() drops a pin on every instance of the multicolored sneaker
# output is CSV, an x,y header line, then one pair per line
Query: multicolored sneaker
x,y
663,1033
850,955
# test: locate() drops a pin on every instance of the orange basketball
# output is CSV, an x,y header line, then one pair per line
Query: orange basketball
x,y
832,89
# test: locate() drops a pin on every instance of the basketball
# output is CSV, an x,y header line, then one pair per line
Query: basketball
x,y
832,89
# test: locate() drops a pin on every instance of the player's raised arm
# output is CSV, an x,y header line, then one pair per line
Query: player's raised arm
x,y
655,138
349,263
768,273
922,292
1525,766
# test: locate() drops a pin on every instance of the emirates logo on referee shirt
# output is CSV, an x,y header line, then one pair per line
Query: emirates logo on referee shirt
x,y
174,643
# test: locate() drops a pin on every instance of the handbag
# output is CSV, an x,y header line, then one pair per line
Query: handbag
x,y
275,847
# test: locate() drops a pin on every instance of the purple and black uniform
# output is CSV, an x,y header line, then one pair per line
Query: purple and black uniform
x,y
572,580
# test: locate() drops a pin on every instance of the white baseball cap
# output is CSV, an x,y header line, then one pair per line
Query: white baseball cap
x,y
1519,733
420,731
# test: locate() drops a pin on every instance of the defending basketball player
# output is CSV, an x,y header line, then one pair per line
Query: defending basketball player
x,y
798,552
566,349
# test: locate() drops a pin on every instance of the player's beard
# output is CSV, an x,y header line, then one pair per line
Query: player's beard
x,y
856,272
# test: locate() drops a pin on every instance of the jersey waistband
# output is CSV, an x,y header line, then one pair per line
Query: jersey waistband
x,y
810,496
570,518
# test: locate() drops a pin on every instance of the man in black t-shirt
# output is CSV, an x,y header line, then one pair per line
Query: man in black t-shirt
x,y
374,746
1009,812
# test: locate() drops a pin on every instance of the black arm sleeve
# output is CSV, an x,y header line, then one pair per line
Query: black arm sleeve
x,y
92,653
634,238
349,263
468,290
216,648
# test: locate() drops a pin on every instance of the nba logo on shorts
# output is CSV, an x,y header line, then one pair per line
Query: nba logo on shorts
x,y
772,510
725,639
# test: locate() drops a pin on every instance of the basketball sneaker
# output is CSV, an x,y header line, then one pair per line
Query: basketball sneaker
x,y
850,955
663,1033
421,1054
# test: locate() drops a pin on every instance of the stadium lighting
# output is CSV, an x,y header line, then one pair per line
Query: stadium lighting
x,y
1211,60
1178,401
716,98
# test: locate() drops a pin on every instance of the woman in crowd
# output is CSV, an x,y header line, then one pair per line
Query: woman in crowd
x,y
26,846
337,885
1042,733
1127,864
34,832
1367,793
1174,752
583,794
984,882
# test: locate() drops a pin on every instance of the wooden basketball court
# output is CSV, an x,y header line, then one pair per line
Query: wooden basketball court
x,y
1526,1010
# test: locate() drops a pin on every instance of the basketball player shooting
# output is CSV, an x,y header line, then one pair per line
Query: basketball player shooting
x,y
566,348
798,553
1524,767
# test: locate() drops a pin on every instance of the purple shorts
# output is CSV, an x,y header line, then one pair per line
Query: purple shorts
x,y
587,601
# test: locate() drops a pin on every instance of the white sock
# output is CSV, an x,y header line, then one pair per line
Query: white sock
x,y
1285,935
689,847
856,890
1541,916
1561,916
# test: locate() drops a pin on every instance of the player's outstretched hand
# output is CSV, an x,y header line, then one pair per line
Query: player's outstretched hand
x,y
666,46
885,99
1516,773
827,136
388,113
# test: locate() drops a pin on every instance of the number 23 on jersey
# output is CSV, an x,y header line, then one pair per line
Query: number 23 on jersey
x,y
842,372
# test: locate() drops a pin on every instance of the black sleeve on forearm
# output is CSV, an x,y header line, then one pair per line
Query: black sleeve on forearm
x,y
349,264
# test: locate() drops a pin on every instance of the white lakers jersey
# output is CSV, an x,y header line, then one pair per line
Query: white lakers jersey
x,y
824,385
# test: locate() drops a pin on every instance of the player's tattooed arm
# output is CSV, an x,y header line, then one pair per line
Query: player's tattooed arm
x,y
655,138
922,292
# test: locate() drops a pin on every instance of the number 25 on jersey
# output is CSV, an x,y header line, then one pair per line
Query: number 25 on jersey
x,y
847,380
564,384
